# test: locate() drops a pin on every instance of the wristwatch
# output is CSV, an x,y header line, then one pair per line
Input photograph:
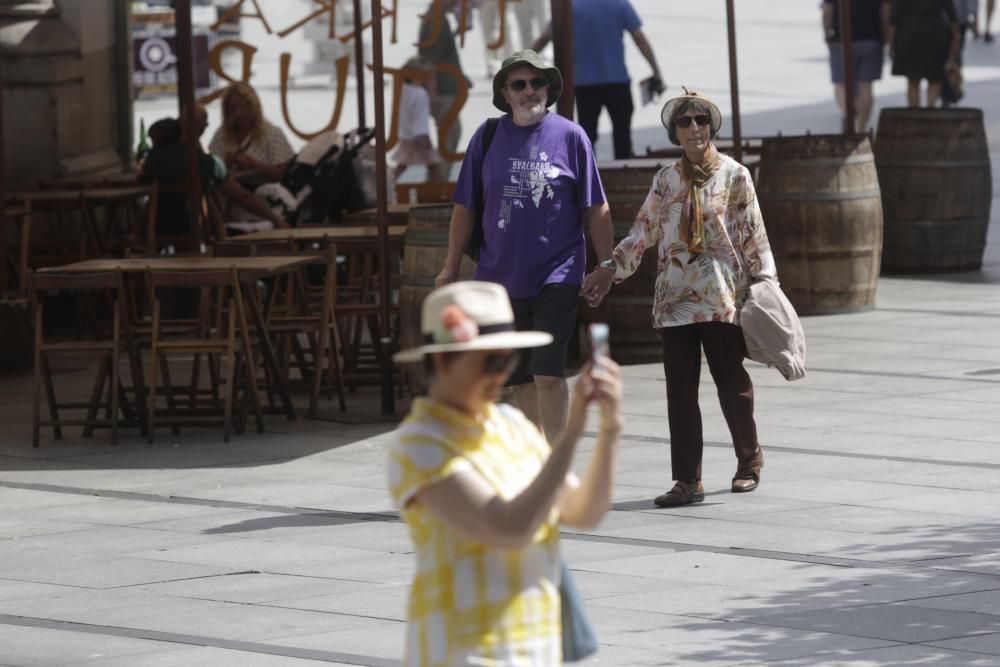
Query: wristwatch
x,y
608,264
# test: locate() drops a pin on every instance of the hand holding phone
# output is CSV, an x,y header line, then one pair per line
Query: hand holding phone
x,y
599,347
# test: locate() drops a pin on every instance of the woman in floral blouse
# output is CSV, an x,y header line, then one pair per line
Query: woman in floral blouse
x,y
701,214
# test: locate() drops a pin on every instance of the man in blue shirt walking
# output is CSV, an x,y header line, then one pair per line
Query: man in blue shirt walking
x,y
600,78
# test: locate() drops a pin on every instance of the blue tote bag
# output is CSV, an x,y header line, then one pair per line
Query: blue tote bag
x,y
578,637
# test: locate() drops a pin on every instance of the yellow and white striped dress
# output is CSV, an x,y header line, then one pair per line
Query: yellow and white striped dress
x,y
471,604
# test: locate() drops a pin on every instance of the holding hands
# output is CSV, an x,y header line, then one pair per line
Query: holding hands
x,y
596,285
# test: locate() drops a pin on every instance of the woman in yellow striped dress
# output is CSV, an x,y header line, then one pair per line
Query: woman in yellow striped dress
x,y
483,493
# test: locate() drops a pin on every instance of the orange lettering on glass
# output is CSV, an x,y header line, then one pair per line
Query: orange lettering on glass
x,y
235,11
341,67
215,62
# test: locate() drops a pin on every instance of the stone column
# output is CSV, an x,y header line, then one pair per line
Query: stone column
x,y
60,87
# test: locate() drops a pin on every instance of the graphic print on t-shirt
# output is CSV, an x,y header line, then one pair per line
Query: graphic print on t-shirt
x,y
529,182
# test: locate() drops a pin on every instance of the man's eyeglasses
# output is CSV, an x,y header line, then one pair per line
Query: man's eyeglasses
x,y
501,362
517,85
701,119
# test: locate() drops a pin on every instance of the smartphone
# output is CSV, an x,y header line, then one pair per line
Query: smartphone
x,y
599,347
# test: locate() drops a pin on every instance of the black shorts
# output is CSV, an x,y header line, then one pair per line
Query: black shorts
x,y
552,311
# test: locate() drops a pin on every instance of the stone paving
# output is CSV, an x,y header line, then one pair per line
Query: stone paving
x,y
873,539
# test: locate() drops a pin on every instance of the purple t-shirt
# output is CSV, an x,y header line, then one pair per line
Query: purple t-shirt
x,y
536,182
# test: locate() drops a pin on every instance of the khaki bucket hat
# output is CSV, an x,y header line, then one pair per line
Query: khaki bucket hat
x,y
520,59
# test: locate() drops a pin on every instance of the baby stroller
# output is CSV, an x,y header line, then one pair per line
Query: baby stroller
x,y
321,181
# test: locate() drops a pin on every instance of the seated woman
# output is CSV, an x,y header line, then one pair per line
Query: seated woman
x,y
246,141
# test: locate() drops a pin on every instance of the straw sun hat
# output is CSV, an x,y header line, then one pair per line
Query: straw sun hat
x,y
670,109
469,315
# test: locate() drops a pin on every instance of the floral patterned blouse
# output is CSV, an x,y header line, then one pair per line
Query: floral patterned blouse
x,y
707,286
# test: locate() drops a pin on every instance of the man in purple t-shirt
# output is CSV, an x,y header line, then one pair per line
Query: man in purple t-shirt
x,y
536,185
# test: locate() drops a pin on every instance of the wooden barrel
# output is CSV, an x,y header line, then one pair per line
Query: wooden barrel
x,y
819,195
934,168
628,307
425,247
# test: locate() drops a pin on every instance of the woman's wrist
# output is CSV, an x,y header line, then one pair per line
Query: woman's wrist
x,y
611,428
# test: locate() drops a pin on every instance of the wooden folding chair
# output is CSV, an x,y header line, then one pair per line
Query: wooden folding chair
x,y
109,349
208,221
218,339
297,309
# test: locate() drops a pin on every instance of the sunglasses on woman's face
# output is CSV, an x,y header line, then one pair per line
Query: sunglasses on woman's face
x,y
501,362
517,85
701,119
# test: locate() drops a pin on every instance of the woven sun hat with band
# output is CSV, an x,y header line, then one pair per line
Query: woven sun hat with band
x,y
667,115
520,59
469,315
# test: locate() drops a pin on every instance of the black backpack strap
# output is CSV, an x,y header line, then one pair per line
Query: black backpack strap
x,y
488,133
476,240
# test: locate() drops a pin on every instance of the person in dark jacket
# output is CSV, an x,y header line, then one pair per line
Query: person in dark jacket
x,y
923,34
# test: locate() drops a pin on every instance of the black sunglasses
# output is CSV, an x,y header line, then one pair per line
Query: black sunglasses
x,y
685,121
517,85
501,362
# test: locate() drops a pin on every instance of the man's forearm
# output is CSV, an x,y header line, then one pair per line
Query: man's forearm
x,y
543,39
247,200
647,52
602,233
459,233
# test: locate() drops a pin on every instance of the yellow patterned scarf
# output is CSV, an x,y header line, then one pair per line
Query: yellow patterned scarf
x,y
692,218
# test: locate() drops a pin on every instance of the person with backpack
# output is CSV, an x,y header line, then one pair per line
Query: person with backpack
x,y
529,182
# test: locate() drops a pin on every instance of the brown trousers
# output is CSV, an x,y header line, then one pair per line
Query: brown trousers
x,y
724,350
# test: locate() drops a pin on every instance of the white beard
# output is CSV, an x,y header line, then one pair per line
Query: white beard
x,y
529,115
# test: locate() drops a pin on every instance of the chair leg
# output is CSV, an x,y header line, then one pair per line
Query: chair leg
x,y
154,353
251,370
36,390
214,377
116,354
336,367
195,381
95,397
254,394
229,389
138,386
235,373
168,392
318,352
50,394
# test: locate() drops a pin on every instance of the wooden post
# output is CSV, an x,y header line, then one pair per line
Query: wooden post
x,y
382,215
3,202
847,50
562,46
359,62
185,98
734,84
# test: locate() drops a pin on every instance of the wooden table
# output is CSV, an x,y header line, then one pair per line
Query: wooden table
x,y
87,199
338,234
117,179
250,270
